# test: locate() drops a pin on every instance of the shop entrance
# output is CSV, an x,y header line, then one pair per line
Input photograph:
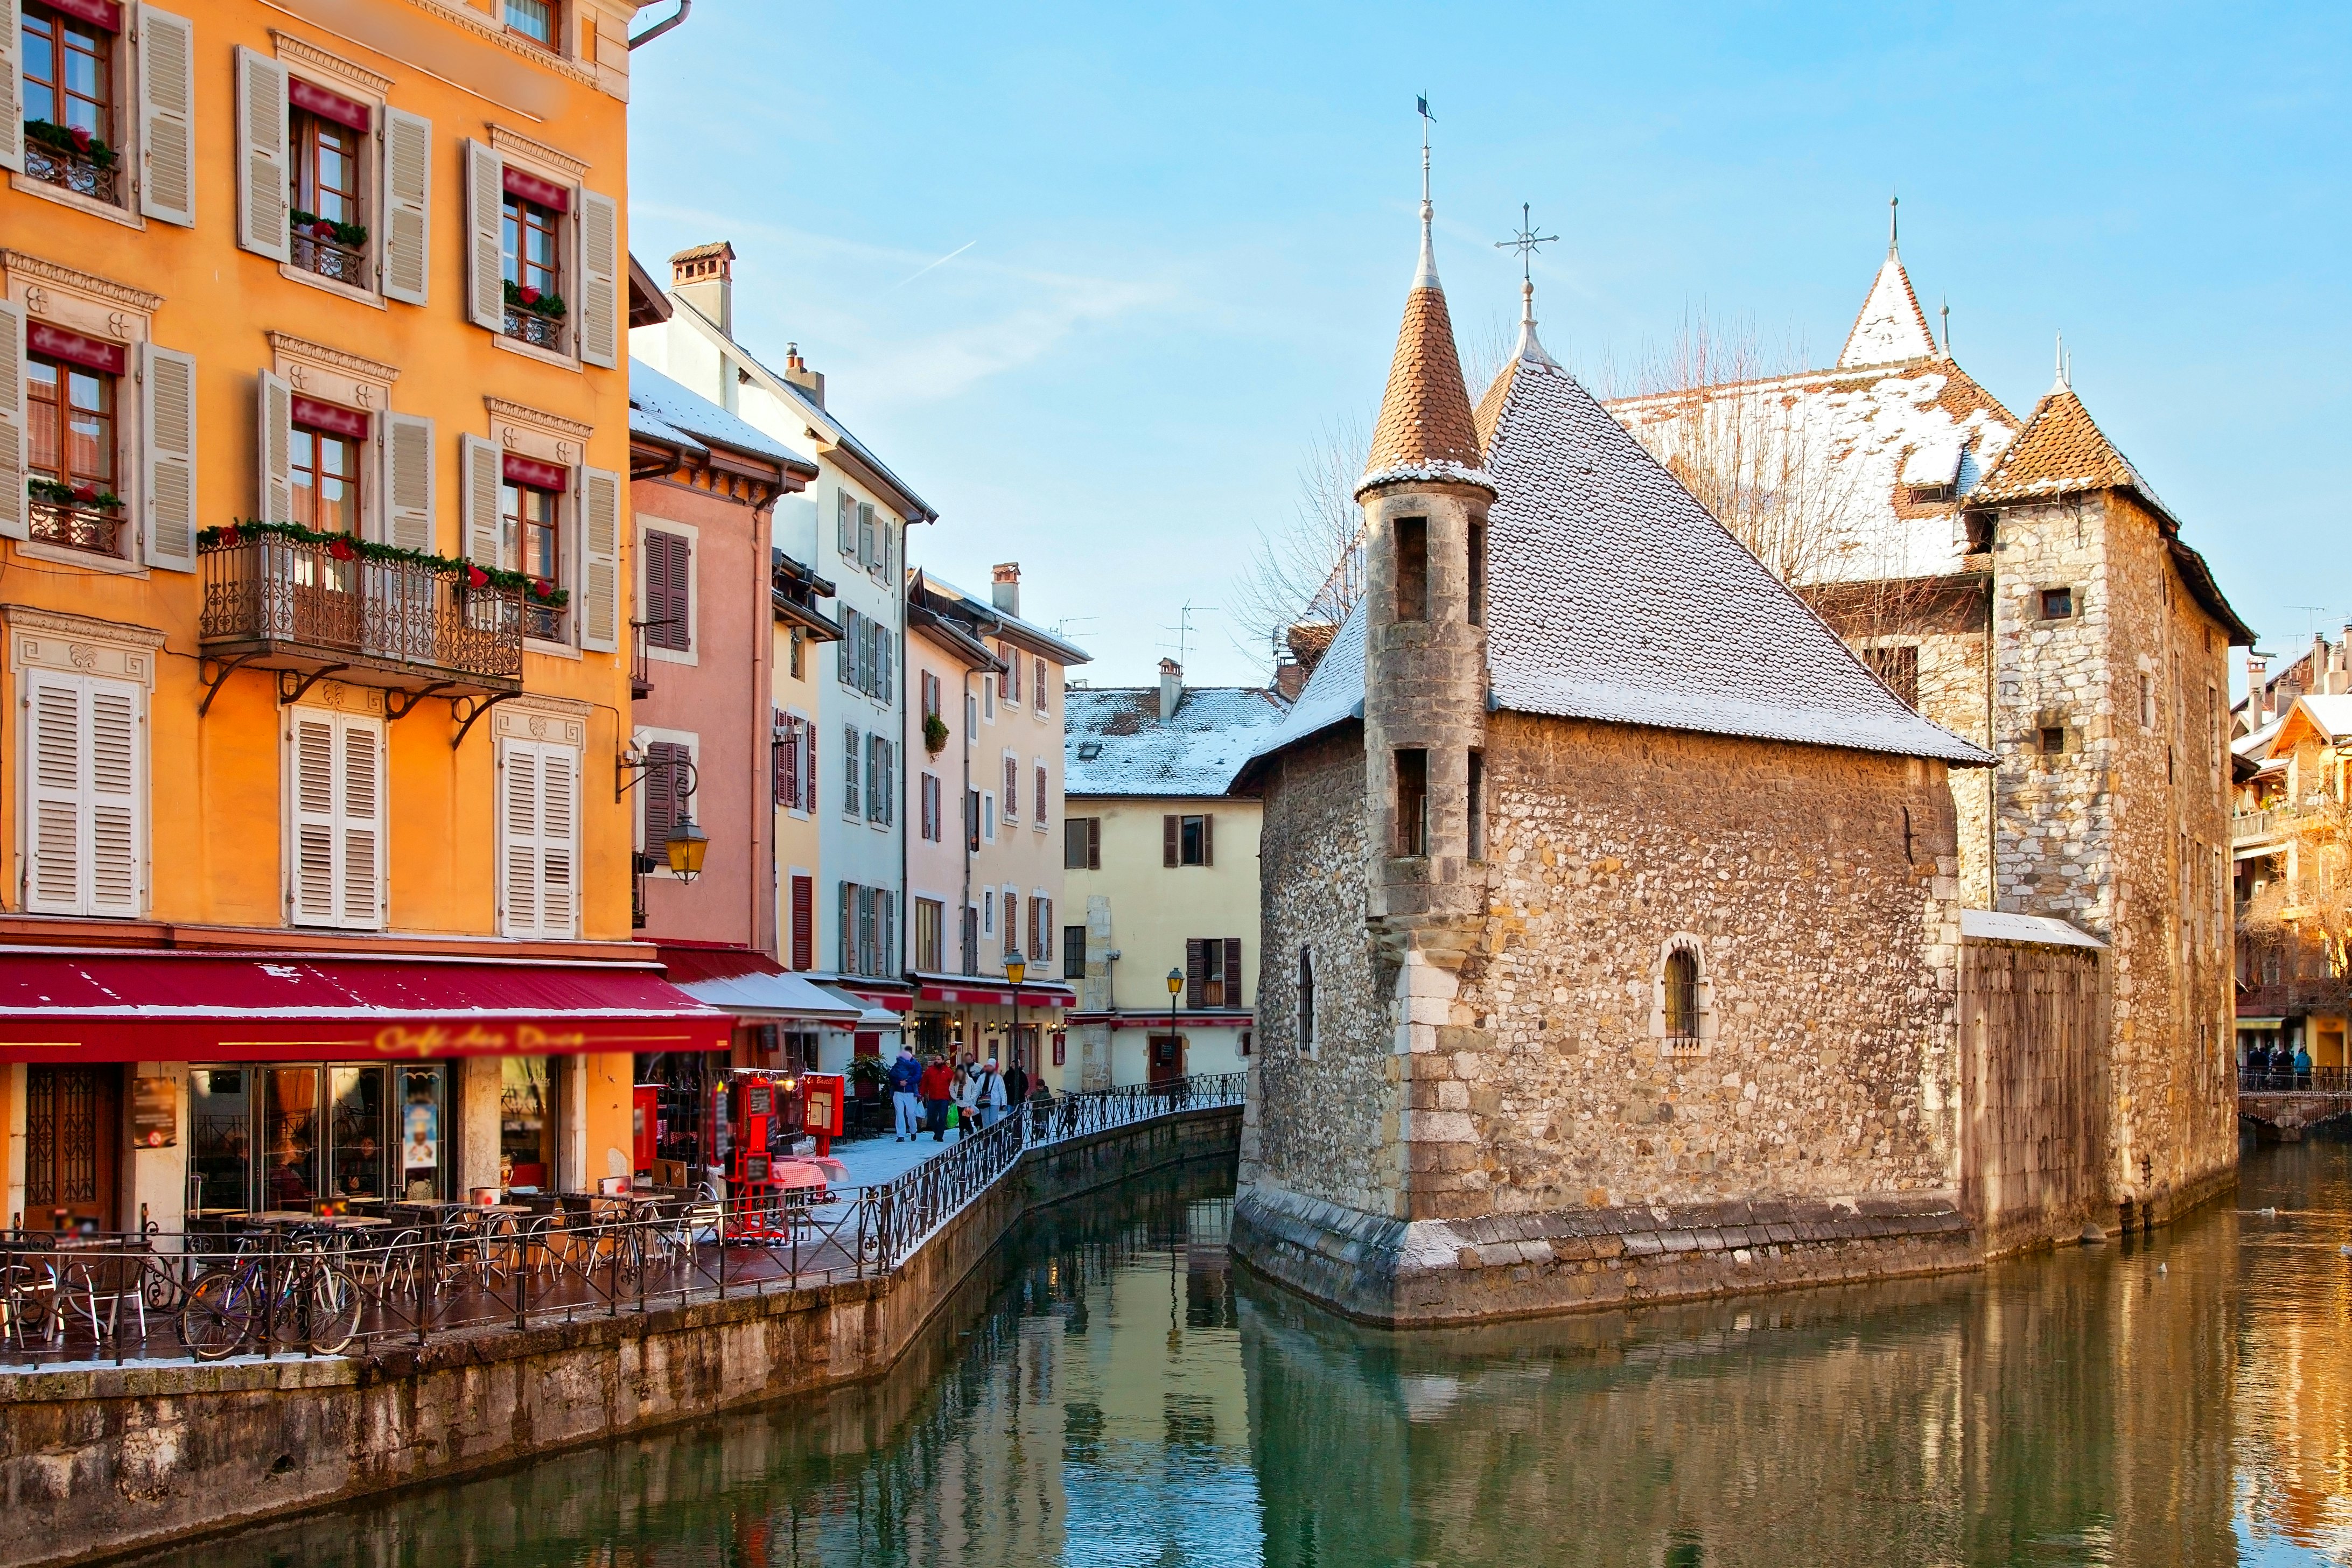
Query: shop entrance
x,y
72,1145
285,1137
1167,1057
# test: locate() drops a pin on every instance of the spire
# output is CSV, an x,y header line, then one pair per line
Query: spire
x,y
1424,430
1892,328
1525,242
2063,382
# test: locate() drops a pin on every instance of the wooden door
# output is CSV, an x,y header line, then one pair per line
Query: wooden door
x,y
72,1144
1167,1057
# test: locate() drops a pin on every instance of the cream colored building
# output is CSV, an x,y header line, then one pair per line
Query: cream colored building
x,y
1161,877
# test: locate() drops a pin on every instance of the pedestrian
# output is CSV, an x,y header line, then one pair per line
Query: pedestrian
x,y
937,1085
990,1094
2301,1067
968,1097
1016,1084
906,1081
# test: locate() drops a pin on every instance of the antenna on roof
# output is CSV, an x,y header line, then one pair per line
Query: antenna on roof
x,y
1893,205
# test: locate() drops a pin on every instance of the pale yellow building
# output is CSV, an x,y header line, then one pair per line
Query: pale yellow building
x,y
1161,878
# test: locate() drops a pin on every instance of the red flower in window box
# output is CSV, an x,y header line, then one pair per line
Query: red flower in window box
x,y
81,137
340,549
476,577
85,493
541,588
529,295
229,537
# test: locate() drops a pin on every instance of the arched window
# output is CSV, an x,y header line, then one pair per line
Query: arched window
x,y
1305,1001
1681,994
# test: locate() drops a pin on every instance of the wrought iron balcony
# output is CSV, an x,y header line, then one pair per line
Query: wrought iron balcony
x,y
282,604
530,327
328,259
77,172
95,528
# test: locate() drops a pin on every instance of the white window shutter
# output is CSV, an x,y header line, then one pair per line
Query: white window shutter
x,y
262,182
167,402
14,522
480,463
600,560
54,750
408,481
846,522
407,206
12,91
600,280
360,845
167,116
485,181
311,858
519,834
559,858
116,797
274,420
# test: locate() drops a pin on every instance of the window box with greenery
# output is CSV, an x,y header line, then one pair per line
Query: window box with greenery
x,y
330,249
71,157
935,733
535,318
77,516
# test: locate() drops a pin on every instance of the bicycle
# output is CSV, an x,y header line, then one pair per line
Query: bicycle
x,y
299,1297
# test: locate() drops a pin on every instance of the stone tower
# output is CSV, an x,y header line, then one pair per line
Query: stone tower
x,y
1424,495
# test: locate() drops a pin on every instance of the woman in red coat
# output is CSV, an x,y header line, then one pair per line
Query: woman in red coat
x,y
937,1085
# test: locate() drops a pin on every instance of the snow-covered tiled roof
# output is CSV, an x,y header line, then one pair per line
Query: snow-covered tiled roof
x,y
1993,925
643,423
2256,743
1115,742
665,401
1334,693
993,622
1890,328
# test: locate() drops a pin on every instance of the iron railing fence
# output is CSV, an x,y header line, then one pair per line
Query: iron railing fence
x,y
77,172
332,1284
95,528
2286,1081
267,588
343,263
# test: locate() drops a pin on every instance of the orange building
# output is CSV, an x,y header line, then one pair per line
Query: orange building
x,y
313,443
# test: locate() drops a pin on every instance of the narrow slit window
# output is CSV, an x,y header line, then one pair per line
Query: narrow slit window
x,y
1477,561
1681,994
1412,568
1411,801
1477,803
2053,739
1306,1001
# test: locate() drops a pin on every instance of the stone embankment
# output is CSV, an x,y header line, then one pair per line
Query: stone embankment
x,y
98,1461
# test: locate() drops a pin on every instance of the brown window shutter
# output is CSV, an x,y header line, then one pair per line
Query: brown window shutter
x,y
681,551
1208,839
665,782
1196,970
803,924
1094,843
1233,972
1169,828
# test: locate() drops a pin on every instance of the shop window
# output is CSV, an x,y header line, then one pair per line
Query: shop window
x,y
289,1137
71,419
69,135
220,1142
528,1122
359,1161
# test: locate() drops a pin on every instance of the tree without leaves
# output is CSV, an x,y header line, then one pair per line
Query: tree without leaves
x,y
1310,570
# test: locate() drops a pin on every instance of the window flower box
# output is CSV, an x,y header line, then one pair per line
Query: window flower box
x,y
84,526
71,158
330,249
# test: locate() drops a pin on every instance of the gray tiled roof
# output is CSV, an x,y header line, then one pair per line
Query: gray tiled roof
x,y
1114,742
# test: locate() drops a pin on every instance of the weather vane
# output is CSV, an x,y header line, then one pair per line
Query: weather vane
x,y
1525,243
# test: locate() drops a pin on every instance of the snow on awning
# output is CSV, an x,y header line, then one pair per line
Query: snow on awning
x,y
1992,925
117,1006
750,985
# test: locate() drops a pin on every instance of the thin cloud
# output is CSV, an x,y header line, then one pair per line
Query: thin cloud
x,y
942,261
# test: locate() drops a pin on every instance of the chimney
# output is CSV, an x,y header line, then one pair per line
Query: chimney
x,y
2257,698
704,278
1004,586
1172,688
797,371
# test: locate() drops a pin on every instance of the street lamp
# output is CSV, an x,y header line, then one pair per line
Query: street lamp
x,y
1175,1050
1015,968
686,845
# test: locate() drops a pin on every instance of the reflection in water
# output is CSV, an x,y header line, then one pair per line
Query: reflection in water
x,y
1123,1399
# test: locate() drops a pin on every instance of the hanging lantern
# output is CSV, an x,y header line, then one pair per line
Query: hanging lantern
x,y
685,846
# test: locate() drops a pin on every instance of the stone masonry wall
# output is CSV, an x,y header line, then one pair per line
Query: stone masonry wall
x,y
1820,889
1326,1124
1954,691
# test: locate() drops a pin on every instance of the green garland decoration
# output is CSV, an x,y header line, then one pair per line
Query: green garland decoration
x,y
61,139
350,236
522,583
552,306
58,494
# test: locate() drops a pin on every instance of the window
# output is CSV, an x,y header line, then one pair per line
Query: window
x,y
972,819
668,774
1082,844
327,227
1477,553
2147,701
1039,817
2051,738
932,827
988,817
931,917
69,137
852,800
2057,603
1012,918
1008,675
988,698
85,788
1042,669
530,535
1011,789
972,712
930,695
1477,805
335,853
1212,971
534,19
988,912
538,792
881,781
785,738
1041,930
669,610
529,1121
803,922
1306,1001
1074,952
324,460
1898,668
71,419
1682,995
531,259
1186,840
1412,568
1411,801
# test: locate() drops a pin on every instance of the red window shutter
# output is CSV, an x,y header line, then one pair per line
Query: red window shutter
x,y
1196,970
1011,786
780,753
1169,828
1233,972
803,924
681,551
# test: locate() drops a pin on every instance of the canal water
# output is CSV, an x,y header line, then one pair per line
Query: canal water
x,y
1129,1399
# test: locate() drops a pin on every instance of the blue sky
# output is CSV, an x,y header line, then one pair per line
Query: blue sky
x,y
1179,239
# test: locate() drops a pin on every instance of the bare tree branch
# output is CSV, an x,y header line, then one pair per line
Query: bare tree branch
x,y
1310,569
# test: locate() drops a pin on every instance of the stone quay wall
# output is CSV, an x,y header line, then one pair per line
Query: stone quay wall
x,y
98,1462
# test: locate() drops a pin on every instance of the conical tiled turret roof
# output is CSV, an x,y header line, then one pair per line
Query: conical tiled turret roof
x,y
2061,451
1891,328
1424,431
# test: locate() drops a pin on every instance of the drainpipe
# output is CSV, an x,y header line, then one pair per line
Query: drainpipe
x,y
659,28
764,788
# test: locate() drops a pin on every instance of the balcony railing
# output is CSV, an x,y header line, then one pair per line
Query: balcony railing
x,y
328,259
530,327
77,172
272,595
95,528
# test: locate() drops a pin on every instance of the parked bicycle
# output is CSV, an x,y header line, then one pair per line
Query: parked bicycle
x,y
297,1297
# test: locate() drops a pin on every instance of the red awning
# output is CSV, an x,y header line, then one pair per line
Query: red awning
x,y
112,1005
979,994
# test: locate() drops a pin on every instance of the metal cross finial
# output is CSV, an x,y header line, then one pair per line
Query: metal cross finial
x,y
1525,243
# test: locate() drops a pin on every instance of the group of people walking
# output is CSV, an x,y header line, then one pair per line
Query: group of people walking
x,y
935,1097
2278,1067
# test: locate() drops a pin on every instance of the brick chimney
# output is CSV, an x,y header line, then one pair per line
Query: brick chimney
x,y
1004,586
797,371
704,277
2257,699
1172,688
